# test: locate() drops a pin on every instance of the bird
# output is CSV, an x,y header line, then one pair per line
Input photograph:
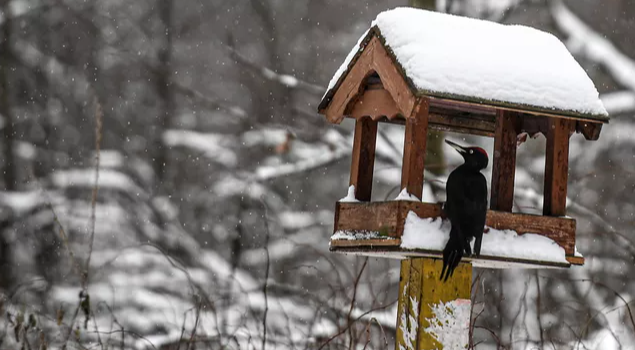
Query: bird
x,y
466,207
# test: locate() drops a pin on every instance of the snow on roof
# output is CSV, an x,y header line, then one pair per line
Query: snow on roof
x,y
475,60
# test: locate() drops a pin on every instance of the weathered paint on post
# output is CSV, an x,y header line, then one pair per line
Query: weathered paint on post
x,y
431,312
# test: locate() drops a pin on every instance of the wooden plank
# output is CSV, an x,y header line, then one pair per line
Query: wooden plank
x,y
373,216
392,78
375,103
395,242
389,218
363,158
560,230
575,260
504,161
414,154
557,167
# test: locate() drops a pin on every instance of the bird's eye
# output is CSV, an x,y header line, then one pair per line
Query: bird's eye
x,y
471,151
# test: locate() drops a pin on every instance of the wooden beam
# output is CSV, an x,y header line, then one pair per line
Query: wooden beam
x,y
591,131
388,218
392,78
557,166
367,248
421,293
414,153
363,158
504,161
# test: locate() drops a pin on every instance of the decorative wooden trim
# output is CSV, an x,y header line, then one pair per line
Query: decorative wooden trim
x,y
591,131
557,166
375,103
414,153
504,161
363,158
389,217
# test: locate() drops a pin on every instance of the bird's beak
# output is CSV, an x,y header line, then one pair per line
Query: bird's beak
x,y
458,148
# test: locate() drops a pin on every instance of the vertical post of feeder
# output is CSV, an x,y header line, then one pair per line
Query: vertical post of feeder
x,y
363,158
432,314
504,162
414,153
557,166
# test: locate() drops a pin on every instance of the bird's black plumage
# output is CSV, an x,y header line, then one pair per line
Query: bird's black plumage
x,y
466,207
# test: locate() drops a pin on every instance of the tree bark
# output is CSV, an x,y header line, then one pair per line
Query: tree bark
x,y
163,83
9,173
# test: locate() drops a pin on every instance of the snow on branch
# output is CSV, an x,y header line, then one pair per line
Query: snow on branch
x,y
267,73
338,150
208,102
215,147
582,39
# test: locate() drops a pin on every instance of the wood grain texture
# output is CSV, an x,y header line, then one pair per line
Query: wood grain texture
x,y
504,161
414,154
363,158
419,290
392,78
557,166
352,85
389,217
375,103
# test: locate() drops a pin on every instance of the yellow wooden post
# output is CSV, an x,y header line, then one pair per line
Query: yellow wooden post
x,y
432,313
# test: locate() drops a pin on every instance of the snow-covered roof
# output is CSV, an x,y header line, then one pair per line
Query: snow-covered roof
x,y
473,60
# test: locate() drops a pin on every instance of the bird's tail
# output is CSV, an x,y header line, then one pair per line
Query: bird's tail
x,y
452,254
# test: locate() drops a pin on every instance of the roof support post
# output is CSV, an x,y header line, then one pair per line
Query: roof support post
x,y
557,166
504,162
363,160
414,152
420,293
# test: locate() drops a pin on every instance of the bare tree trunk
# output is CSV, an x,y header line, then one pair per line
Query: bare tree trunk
x,y
9,175
163,80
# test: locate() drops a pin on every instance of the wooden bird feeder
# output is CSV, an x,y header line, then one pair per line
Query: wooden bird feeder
x,y
382,82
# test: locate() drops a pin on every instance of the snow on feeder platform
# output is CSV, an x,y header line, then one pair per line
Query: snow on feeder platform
x,y
429,70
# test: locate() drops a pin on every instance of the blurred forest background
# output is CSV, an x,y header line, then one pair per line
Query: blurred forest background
x,y
217,179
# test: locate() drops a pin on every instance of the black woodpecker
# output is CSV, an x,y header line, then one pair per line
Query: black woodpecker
x,y
466,207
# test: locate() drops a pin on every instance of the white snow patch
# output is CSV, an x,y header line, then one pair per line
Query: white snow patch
x,y
358,235
409,325
213,146
21,202
108,178
450,323
264,137
405,196
350,197
534,69
577,253
433,234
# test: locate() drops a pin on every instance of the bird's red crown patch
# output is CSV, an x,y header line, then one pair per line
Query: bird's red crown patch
x,y
478,149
